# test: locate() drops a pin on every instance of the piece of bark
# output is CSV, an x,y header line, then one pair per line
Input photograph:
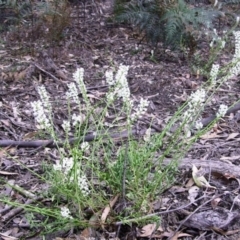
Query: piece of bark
x,y
217,166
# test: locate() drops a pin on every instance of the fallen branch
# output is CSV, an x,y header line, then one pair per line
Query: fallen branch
x,y
217,166
71,141
209,119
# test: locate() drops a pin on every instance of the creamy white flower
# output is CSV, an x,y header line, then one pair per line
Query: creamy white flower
x,y
77,119
81,180
78,77
198,125
197,97
40,116
85,146
223,44
57,166
121,74
45,98
237,19
222,110
234,71
214,73
141,109
237,45
73,92
67,164
187,131
122,88
66,125
65,212
109,77
124,92
196,101
110,96
211,43
83,185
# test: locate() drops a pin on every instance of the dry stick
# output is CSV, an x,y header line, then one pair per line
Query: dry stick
x,y
15,211
52,144
205,203
207,120
48,73
56,79
19,209
163,212
91,137
216,166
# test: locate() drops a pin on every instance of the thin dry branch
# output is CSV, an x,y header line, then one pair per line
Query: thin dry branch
x,y
52,144
209,119
217,166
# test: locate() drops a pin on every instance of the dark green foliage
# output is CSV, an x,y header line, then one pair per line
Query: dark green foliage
x,y
170,22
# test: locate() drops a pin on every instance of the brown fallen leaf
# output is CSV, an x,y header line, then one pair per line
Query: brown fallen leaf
x,y
61,74
210,135
179,234
232,136
215,202
108,209
147,230
199,179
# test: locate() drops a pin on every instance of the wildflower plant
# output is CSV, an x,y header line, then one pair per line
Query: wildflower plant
x,y
87,175
218,43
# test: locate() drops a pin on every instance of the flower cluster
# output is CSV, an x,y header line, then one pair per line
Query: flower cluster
x,y
73,92
196,101
141,109
78,78
77,119
65,212
83,184
120,83
197,98
66,166
121,90
40,115
85,146
214,73
217,39
42,109
66,126
222,110
198,125
109,77
77,85
44,98
235,70
237,45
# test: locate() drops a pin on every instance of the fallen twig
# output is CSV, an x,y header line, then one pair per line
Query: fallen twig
x,y
216,166
52,144
209,119
157,213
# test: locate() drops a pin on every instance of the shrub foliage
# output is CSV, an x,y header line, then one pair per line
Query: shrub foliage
x,y
172,22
